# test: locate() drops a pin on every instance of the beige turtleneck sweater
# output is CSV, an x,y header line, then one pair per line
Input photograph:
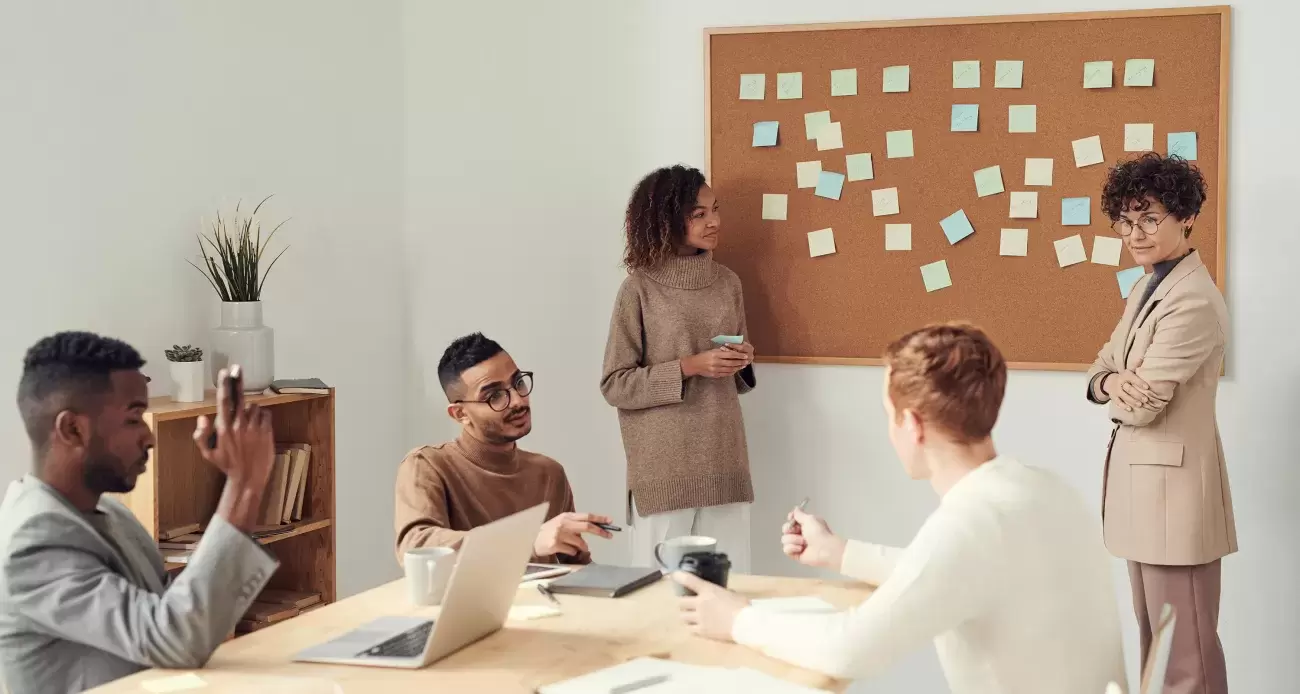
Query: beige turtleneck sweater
x,y
684,438
445,491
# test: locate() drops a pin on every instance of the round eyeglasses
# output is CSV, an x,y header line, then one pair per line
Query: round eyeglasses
x,y
499,399
1147,223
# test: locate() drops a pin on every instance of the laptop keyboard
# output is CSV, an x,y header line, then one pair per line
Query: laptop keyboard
x,y
408,644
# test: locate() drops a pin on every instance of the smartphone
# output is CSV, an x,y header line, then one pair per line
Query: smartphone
x,y
234,396
534,572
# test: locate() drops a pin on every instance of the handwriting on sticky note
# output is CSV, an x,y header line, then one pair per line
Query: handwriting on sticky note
x,y
896,79
821,242
1139,137
1139,72
829,185
859,166
814,122
935,276
1069,251
1038,172
1008,74
1022,118
1182,145
789,85
844,82
1105,250
884,202
1014,242
753,87
898,144
1076,211
765,133
1087,151
988,181
965,118
1128,278
807,173
1097,74
831,136
1024,205
775,205
177,683
898,237
965,74
956,226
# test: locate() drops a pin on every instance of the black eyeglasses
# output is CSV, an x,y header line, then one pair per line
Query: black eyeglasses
x,y
499,399
1147,223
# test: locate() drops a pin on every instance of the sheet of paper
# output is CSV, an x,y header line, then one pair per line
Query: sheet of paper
x,y
1105,250
829,185
1008,74
775,205
1128,278
965,118
1139,72
523,613
176,683
753,87
1022,118
1097,74
844,82
626,674
1024,205
935,276
765,133
884,202
821,242
1139,137
965,74
1087,151
1076,212
803,603
896,79
831,136
1038,172
898,144
988,181
1014,242
956,226
807,173
789,85
1182,145
898,237
1069,251
859,166
814,122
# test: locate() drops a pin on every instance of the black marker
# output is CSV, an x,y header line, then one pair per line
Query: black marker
x,y
608,527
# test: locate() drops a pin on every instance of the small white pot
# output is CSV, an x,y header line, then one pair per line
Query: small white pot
x,y
188,380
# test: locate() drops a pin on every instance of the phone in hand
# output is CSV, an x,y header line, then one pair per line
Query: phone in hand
x,y
234,397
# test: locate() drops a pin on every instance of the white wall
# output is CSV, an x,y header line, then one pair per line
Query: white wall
x,y
122,124
520,158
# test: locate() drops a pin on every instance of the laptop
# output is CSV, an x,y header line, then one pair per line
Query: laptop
x,y
482,587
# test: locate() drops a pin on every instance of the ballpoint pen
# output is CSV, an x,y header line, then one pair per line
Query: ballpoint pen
x,y
544,590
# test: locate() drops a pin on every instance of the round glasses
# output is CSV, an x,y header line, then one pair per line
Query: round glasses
x,y
1147,223
499,399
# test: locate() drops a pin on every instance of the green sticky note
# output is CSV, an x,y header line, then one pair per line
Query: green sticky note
x,y
935,276
988,181
859,167
753,87
965,74
814,122
965,118
1097,74
957,226
728,340
1139,72
844,82
789,85
897,78
898,144
1022,118
1008,74
1182,145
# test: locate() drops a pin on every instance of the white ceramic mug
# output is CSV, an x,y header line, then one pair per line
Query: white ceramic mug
x,y
427,571
669,553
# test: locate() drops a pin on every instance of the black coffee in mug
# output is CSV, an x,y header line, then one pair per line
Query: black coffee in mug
x,y
710,566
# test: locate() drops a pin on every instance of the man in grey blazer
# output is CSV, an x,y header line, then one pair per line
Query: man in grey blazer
x,y
84,598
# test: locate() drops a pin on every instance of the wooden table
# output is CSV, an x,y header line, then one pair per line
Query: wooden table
x,y
592,633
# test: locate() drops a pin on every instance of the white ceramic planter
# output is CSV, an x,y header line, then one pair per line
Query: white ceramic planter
x,y
243,339
189,378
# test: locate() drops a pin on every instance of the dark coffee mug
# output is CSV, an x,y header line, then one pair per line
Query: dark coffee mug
x,y
709,566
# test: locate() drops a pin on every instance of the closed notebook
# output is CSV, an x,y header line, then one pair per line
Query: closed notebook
x,y
605,581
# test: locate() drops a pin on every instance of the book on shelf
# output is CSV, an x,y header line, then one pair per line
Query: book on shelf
x,y
311,386
187,543
174,557
283,501
293,598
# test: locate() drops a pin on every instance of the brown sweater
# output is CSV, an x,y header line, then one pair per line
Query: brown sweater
x,y
445,491
684,438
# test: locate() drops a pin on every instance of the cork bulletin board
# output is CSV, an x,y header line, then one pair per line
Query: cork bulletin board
x,y
844,307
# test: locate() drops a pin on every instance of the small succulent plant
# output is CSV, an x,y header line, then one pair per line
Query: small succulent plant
x,y
186,353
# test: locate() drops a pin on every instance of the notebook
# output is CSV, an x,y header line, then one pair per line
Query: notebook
x,y
605,581
299,385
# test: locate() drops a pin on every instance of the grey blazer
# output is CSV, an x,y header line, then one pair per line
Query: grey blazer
x,y
77,611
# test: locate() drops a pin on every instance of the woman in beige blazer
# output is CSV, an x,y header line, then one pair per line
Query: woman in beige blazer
x,y
1166,508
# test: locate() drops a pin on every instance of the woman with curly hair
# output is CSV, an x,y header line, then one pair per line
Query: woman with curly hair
x,y
675,390
1167,508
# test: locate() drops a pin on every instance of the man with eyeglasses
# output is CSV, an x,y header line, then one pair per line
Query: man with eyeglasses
x,y
1167,508
445,491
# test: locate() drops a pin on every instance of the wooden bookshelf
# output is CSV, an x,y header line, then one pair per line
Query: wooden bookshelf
x,y
180,488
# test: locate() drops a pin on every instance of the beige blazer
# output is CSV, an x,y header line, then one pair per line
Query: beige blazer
x,y
1165,487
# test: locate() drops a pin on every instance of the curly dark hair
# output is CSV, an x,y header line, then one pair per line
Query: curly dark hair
x,y
656,214
463,354
1130,185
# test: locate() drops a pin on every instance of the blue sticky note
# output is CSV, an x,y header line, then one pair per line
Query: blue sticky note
x,y
829,185
956,226
1128,278
1076,212
965,118
1183,145
765,133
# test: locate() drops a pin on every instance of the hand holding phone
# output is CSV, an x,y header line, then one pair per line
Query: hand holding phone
x,y
240,442
232,385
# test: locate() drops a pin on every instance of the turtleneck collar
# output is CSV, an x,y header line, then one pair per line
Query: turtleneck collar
x,y
685,271
489,458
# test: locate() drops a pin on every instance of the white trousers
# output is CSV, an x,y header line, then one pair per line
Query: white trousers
x,y
728,524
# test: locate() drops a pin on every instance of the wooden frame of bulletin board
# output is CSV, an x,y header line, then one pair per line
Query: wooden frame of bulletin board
x,y
846,306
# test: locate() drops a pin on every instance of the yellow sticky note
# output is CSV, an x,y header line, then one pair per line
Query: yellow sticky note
x,y
935,276
1069,251
821,242
1139,72
177,683
1022,118
965,74
884,202
844,82
753,87
898,237
807,173
1024,205
1038,172
831,136
789,85
1105,250
814,122
1097,74
775,205
1087,151
988,181
1139,137
1008,74
898,144
859,167
896,79
1014,242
